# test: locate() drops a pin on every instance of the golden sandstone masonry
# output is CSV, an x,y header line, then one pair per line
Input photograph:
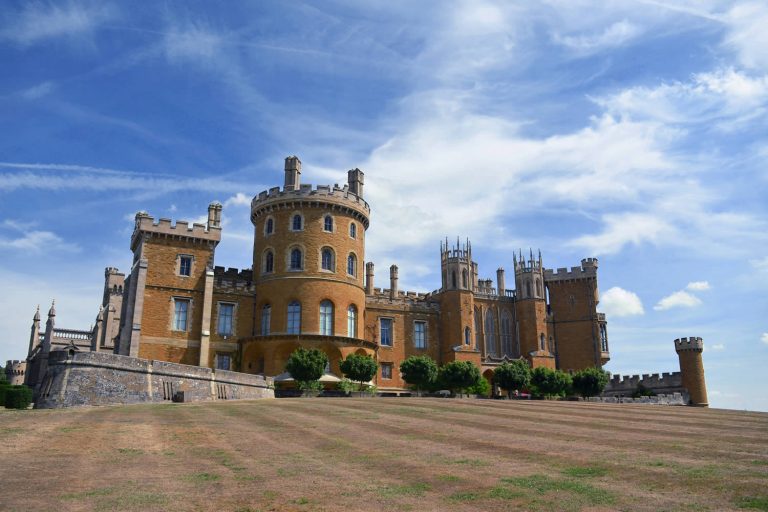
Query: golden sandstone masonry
x,y
310,286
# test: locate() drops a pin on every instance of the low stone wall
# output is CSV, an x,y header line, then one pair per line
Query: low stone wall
x,y
98,378
659,383
673,399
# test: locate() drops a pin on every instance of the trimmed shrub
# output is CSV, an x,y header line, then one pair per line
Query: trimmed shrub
x,y
590,381
419,371
459,375
18,397
513,376
359,368
483,388
550,383
306,367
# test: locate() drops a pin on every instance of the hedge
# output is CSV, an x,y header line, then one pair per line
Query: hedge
x,y
18,397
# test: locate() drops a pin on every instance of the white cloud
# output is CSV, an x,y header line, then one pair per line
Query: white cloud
x,y
616,34
698,286
717,347
764,338
38,91
38,241
238,199
191,42
623,229
679,299
747,36
617,302
39,21
760,264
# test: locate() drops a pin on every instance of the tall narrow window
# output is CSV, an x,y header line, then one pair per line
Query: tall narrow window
x,y
528,289
420,334
352,321
269,262
603,338
294,318
270,226
327,259
490,333
453,280
385,331
296,263
353,230
185,265
326,318
467,336
266,319
226,314
223,361
328,223
478,328
464,279
296,222
386,371
506,334
542,341
180,312
352,265
539,289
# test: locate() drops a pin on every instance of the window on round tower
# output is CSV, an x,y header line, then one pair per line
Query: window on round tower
x,y
269,227
326,318
296,259
352,265
269,262
328,223
353,230
296,223
327,259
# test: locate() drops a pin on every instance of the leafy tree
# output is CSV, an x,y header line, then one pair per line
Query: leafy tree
x,y
590,381
483,387
18,397
306,367
360,368
515,375
459,375
419,371
550,383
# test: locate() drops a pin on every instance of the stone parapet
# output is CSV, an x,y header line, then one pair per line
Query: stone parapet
x,y
99,378
693,343
588,269
145,224
275,198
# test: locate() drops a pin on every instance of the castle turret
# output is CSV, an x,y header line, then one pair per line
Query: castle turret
x,y
292,173
355,181
692,368
532,310
34,335
457,302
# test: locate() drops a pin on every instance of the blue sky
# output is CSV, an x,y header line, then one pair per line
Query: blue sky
x,y
631,131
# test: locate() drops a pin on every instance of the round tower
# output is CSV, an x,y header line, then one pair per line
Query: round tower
x,y
308,272
692,369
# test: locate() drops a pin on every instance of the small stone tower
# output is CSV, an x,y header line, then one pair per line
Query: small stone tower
x,y
458,270
532,310
457,303
692,369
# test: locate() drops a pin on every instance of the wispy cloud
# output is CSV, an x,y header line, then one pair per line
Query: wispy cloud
x,y
618,302
698,286
764,338
39,21
38,91
614,35
34,241
678,299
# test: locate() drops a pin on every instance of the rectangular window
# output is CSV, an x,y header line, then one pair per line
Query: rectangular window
x,y
226,314
386,370
223,361
420,334
185,265
386,332
180,312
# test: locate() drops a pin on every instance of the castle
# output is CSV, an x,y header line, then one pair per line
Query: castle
x,y
310,286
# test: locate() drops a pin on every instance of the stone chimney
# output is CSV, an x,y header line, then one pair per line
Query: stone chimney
x,y
292,173
393,282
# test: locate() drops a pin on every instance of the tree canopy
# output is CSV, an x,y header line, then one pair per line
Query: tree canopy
x,y
419,371
306,366
590,381
550,383
360,368
514,375
459,375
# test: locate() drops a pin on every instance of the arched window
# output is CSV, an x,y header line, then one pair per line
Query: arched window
x,y
528,289
269,262
266,318
352,265
296,222
353,230
352,321
270,226
467,336
464,279
478,328
328,223
294,318
490,333
453,279
327,259
506,333
541,341
326,318
296,263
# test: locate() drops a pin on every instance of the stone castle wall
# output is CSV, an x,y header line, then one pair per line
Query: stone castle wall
x,y
660,383
98,378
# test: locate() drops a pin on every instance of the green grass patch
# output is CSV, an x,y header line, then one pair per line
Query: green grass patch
x,y
473,463
541,484
4,431
464,496
753,503
203,477
301,501
131,500
505,493
449,478
759,462
415,489
585,471
74,428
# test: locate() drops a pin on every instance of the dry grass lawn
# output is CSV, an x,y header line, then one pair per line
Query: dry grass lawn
x,y
384,454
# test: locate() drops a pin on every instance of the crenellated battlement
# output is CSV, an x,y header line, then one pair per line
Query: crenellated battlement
x,y
693,343
660,383
233,279
457,253
267,200
146,224
406,298
587,270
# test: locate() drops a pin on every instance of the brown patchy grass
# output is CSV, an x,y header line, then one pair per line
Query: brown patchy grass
x,y
384,454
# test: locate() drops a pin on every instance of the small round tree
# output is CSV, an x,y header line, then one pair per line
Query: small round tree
x,y
419,371
513,376
590,381
360,368
550,383
459,375
306,367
